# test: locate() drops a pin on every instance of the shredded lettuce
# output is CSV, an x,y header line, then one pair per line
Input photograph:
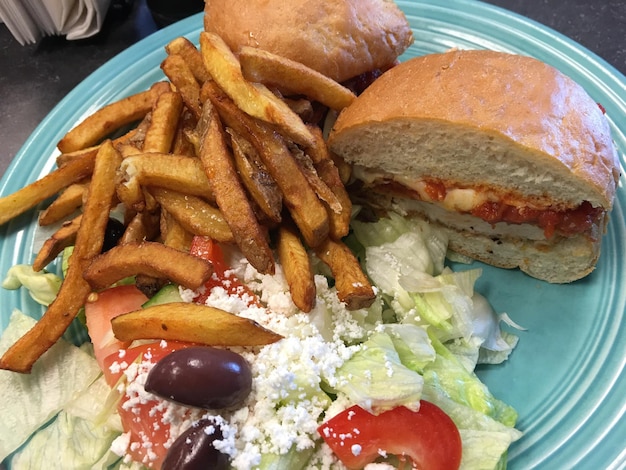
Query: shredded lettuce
x,y
31,400
375,378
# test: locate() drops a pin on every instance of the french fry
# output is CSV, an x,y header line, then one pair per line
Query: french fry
x,y
292,77
253,98
156,169
319,186
296,265
353,287
144,226
66,203
179,321
230,195
182,145
329,174
185,48
305,208
74,291
89,154
255,177
164,123
149,258
194,214
173,233
29,196
179,73
65,236
108,119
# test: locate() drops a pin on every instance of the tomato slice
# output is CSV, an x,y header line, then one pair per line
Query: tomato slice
x,y
428,437
208,249
100,310
144,419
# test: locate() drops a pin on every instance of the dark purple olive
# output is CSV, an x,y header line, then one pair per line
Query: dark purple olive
x,y
113,232
201,376
194,449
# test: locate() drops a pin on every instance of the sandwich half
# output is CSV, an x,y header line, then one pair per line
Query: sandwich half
x,y
341,39
507,154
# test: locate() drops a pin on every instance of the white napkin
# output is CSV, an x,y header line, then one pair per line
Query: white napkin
x,y
29,20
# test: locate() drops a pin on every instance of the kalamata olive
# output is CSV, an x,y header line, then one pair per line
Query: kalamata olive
x,y
112,234
194,449
201,376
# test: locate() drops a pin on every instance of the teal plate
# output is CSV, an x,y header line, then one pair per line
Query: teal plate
x,y
566,376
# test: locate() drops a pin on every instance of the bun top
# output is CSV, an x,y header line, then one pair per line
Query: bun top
x,y
484,118
339,38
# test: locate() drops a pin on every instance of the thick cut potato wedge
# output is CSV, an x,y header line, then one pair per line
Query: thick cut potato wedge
x,y
180,321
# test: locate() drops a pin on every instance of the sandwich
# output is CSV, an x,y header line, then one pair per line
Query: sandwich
x,y
341,39
509,156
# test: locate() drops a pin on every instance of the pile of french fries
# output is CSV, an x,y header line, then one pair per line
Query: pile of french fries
x,y
227,147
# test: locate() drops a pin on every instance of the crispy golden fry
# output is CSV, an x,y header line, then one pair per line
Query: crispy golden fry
x,y
156,169
329,174
194,214
128,150
29,196
67,202
319,186
353,287
185,48
255,177
150,258
88,154
179,73
296,265
179,321
293,78
182,145
164,123
106,120
173,233
21,356
144,226
65,236
306,209
230,195
253,98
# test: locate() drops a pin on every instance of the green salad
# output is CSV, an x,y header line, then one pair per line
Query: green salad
x,y
420,341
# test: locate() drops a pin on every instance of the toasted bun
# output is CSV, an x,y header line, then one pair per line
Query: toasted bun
x,y
339,38
485,119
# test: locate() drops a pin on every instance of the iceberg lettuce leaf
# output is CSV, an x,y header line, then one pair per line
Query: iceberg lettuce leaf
x,y
31,400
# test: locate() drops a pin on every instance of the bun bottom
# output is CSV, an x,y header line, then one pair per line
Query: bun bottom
x,y
558,260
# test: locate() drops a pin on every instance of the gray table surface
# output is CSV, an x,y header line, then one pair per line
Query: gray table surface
x,y
34,78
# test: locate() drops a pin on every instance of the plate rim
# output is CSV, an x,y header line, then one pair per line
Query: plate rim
x,y
190,26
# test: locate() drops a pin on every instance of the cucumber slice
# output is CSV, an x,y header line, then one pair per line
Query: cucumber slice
x,y
167,294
